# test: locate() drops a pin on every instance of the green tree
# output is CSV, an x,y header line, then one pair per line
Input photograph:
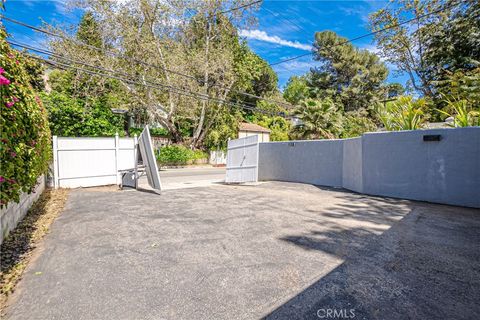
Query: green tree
x,y
296,89
464,114
69,117
350,76
254,74
279,127
80,104
89,30
224,127
356,123
461,84
440,39
185,37
452,41
320,119
393,90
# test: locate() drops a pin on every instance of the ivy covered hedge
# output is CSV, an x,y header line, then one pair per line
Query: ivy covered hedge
x,y
24,133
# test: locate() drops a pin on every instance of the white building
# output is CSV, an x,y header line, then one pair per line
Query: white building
x,y
251,129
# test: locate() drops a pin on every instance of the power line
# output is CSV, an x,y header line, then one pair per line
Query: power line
x,y
148,84
285,19
66,67
290,59
47,52
241,7
122,56
371,33
292,22
50,53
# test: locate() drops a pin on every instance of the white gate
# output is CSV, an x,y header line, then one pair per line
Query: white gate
x,y
242,160
87,162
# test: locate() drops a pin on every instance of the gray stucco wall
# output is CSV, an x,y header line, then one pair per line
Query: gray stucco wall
x,y
352,177
316,162
395,164
401,164
14,212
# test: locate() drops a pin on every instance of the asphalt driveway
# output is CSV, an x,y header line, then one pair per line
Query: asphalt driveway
x,y
276,250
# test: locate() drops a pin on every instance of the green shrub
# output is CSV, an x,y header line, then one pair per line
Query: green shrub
x,y
199,155
24,134
69,117
174,155
405,113
462,112
178,154
356,123
279,127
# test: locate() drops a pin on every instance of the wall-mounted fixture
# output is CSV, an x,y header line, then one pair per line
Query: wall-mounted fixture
x,y
432,137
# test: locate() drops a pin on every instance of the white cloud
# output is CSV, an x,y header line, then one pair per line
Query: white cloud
x,y
263,36
372,48
294,66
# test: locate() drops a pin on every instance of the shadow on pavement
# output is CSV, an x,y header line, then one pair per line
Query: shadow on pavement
x,y
425,266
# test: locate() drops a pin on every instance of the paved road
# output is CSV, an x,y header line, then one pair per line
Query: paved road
x,y
188,177
275,250
195,172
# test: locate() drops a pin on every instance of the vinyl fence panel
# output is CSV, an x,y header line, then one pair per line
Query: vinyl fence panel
x,y
87,162
242,160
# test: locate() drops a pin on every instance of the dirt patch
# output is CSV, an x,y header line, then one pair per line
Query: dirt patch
x,y
17,249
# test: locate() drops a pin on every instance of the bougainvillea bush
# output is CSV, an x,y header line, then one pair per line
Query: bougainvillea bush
x,y
24,133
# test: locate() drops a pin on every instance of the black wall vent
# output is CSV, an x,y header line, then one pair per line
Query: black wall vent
x,y
432,137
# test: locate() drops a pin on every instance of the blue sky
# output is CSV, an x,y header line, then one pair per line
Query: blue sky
x,y
284,28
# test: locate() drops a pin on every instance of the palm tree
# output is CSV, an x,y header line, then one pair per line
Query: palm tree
x,y
320,119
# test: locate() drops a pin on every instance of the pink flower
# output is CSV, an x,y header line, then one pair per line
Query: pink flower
x,y
9,104
2,70
15,99
13,154
4,81
17,62
2,179
10,55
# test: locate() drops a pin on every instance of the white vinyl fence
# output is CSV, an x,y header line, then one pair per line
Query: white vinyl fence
x,y
242,160
87,162
218,157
